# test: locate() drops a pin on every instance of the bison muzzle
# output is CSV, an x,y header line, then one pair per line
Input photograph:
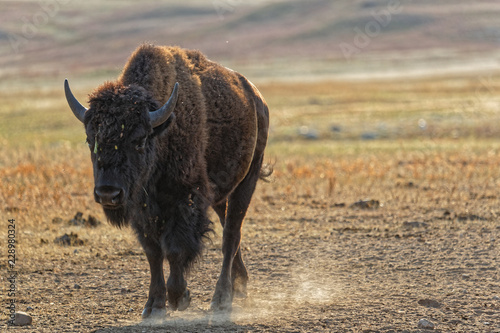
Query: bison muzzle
x,y
174,135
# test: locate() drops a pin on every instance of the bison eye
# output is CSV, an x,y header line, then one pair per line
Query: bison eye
x,y
140,144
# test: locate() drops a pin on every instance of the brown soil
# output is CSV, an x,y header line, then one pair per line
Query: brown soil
x,y
428,249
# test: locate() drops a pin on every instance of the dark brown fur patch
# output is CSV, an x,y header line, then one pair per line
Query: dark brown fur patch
x,y
219,131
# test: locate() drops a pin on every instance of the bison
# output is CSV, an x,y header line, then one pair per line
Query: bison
x,y
175,134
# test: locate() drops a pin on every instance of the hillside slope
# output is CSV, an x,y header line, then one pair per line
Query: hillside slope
x,y
48,37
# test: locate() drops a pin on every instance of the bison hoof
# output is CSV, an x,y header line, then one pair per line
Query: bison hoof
x,y
240,289
240,294
222,302
182,303
154,313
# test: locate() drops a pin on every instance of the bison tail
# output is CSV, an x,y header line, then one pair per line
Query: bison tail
x,y
265,172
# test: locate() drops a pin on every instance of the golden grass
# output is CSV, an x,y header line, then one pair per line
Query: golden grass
x,y
39,185
45,173
452,107
45,169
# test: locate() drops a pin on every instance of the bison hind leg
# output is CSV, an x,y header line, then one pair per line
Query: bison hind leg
x,y
233,277
239,274
239,277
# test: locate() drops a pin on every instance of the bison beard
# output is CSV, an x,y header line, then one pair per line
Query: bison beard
x,y
159,171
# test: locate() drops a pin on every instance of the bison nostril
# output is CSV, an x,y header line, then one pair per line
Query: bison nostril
x,y
117,198
109,195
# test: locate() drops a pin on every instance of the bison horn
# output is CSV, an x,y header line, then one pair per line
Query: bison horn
x,y
78,109
161,115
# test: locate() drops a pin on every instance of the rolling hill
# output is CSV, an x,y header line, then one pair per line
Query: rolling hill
x,y
52,37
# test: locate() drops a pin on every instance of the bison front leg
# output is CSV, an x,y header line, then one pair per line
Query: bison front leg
x,y
155,306
178,295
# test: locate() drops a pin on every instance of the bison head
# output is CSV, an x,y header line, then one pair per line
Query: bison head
x,y
121,133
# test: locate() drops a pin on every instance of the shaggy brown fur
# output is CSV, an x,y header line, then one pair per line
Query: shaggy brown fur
x,y
216,107
208,154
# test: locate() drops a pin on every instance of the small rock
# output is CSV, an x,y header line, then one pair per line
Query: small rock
x,y
315,101
470,217
496,298
455,322
308,133
22,319
57,220
92,221
29,308
336,128
366,204
430,303
78,220
69,240
77,286
406,184
414,224
426,324
368,136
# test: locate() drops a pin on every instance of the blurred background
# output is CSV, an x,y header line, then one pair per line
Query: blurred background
x,y
288,39
448,51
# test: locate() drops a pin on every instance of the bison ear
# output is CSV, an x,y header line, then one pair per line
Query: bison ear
x,y
161,115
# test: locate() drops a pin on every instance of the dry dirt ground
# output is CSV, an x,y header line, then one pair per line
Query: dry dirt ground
x,y
426,246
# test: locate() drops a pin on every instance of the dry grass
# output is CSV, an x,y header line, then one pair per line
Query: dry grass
x,y
45,173
447,107
45,170
308,200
